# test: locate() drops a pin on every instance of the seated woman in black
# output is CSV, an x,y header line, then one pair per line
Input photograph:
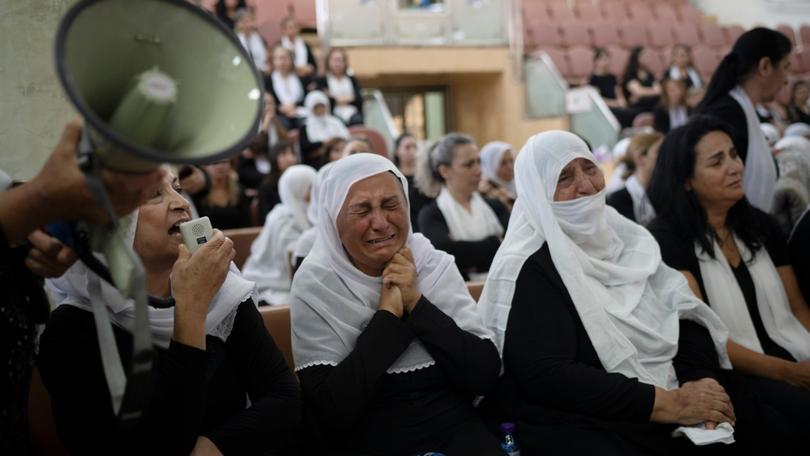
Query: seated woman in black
x,y
459,221
672,111
212,349
631,201
387,342
735,259
605,348
751,74
282,156
605,82
286,87
681,68
226,203
639,85
343,89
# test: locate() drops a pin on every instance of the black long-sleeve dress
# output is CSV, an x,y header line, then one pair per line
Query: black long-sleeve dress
x,y
196,392
361,409
473,256
565,402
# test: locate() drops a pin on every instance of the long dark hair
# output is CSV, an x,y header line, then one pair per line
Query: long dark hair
x,y
679,206
632,68
275,173
743,59
397,143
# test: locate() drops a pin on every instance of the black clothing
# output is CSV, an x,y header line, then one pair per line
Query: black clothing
x,y
417,201
796,115
289,123
727,109
606,84
196,392
226,217
362,409
564,401
799,248
357,119
249,175
471,256
23,305
643,104
268,198
623,203
661,120
679,254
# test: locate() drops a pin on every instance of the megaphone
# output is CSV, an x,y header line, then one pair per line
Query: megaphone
x,y
157,81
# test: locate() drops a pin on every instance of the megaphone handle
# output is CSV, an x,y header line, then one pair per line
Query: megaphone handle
x,y
91,168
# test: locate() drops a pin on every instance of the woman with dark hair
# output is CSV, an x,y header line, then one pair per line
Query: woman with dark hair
x,y
797,109
460,221
226,11
638,83
226,203
673,110
681,68
752,73
406,150
282,156
605,82
342,88
735,259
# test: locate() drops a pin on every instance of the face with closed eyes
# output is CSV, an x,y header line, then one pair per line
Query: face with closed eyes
x,y
580,177
373,222
718,172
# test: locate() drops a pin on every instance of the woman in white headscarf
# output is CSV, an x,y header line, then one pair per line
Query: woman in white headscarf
x,y
792,193
460,221
320,126
498,172
387,342
605,348
305,242
212,351
270,260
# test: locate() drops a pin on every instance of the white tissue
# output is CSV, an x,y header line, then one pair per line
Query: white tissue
x,y
700,436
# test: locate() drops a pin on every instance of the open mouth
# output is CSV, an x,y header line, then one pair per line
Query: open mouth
x,y
175,229
381,240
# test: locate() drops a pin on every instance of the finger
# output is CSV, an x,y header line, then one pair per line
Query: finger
x,y
406,252
41,269
182,253
710,425
66,256
44,259
44,242
719,417
71,133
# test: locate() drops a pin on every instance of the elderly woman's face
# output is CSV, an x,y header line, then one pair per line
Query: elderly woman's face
x,y
373,222
580,177
157,235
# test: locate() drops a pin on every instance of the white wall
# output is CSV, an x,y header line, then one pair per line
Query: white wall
x,y
749,13
33,107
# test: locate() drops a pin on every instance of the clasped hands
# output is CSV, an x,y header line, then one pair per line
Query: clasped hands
x,y
400,293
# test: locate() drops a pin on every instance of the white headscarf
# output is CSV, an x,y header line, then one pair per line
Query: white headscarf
x,y
268,263
304,243
616,181
73,289
491,155
759,178
333,301
797,129
325,127
629,301
771,133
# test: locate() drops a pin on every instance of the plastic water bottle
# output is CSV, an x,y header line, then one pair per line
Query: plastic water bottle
x,y
509,444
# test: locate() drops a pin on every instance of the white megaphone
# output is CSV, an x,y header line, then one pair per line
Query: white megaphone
x,y
156,81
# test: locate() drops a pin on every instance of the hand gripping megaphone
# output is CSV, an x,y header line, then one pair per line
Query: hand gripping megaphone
x,y
156,81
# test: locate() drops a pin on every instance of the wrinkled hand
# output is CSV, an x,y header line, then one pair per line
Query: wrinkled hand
x,y
48,257
704,401
61,185
401,272
197,278
391,300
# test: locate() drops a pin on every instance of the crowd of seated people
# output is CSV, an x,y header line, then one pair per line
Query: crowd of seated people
x,y
674,319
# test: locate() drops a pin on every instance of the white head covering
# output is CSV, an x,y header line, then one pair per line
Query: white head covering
x,y
304,243
798,129
324,127
771,133
629,301
616,182
268,263
333,301
491,155
73,289
759,178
